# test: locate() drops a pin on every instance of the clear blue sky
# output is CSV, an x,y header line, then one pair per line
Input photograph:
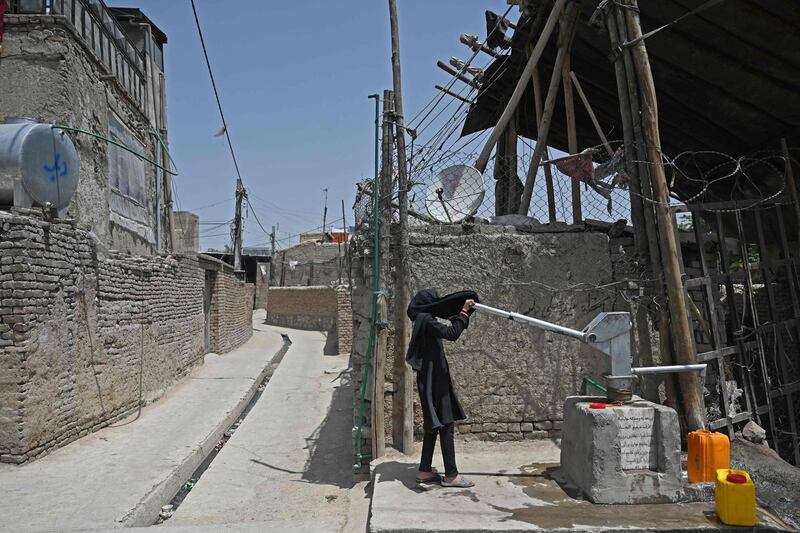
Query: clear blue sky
x,y
294,79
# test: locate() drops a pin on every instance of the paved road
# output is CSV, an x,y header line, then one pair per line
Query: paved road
x,y
288,466
122,475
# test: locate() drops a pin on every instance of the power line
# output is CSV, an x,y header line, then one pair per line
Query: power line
x,y
216,93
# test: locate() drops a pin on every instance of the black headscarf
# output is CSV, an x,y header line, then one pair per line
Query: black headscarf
x,y
425,305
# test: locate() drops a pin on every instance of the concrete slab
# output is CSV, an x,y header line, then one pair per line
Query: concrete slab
x,y
289,465
516,490
121,475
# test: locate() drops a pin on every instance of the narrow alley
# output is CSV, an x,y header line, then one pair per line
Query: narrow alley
x,y
399,266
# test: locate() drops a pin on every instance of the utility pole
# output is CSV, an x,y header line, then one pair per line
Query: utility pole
x,y
272,255
237,227
402,406
325,217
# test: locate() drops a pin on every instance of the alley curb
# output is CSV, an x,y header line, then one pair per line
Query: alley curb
x,y
146,511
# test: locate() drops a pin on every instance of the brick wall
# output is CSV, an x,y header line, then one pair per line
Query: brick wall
x,y
231,311
344,319
314,308
311,308
79,330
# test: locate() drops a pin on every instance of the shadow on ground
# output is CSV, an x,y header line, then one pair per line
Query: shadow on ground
x,y
330,445
331,343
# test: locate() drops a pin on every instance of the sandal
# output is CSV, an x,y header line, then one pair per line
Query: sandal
x,y
459,482
435,478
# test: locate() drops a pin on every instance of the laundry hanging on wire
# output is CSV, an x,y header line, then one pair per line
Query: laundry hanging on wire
x,y
581,168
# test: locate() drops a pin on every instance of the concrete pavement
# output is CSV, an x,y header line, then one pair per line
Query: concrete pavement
x,y
121,475
518,489
289,465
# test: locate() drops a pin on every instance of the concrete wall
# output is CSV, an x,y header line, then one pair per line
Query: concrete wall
x,y
49,74
308,263
512,379
187,232
314,308
79,329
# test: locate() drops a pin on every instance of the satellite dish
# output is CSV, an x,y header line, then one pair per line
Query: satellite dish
x,y
455,194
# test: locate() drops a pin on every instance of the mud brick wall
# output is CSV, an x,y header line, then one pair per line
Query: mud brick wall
x,y
79,329
231,312
511,378
310,308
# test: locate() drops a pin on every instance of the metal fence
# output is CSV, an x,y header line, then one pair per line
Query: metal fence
x,y
101,33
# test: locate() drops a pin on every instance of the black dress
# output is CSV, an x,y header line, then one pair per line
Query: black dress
x,y
440,405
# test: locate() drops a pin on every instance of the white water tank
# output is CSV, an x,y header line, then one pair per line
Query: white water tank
x,y
39,165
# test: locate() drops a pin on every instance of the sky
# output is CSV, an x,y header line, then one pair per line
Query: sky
x,y
293,79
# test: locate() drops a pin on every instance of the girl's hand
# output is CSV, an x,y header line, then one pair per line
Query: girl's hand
x,y
469,304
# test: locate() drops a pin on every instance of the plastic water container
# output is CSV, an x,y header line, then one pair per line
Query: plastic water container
x,y
736,498
708,452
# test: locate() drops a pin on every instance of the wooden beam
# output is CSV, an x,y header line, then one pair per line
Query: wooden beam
x,y
681,333
519,90
566,33
589,110
572,136
548,174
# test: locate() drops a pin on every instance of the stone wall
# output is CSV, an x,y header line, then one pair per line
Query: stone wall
x,y
309,263
84,335
48,73
511,378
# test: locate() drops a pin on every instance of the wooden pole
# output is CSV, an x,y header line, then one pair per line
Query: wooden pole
x,y
519,90
644,228
572,136
566,32
791,184
384,221
403,403
272,256
666,350
548,174
589,110
681,333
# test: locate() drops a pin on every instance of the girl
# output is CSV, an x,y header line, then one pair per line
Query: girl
x,y
440,405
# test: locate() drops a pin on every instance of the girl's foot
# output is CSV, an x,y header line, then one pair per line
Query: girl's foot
x,y
428,477
457,481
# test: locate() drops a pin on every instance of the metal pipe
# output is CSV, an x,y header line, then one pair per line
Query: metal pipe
x,y
669,369
534,321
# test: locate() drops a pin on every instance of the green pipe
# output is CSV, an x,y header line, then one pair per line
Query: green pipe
x,y
375,281
589,381
115,143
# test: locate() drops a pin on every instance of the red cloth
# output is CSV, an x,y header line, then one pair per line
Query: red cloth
x,y
578,167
